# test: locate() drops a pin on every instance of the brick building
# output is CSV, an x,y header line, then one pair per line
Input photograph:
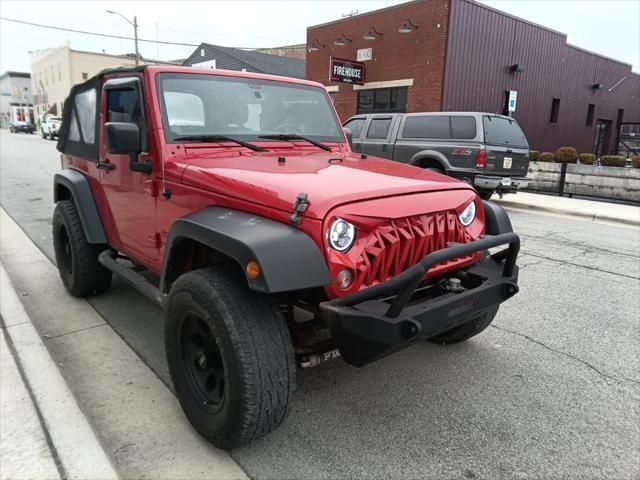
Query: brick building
x,y
459,55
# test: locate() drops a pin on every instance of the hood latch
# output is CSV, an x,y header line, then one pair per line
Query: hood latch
x,y
302,203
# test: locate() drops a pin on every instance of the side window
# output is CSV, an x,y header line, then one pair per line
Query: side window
x,y
427,126
463,128
85,107
124,106
356,125
378,128
74,133
184,109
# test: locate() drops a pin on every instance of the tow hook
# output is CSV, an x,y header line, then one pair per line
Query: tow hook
x,y
452,285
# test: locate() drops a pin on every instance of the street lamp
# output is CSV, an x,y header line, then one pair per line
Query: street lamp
x,y
135,30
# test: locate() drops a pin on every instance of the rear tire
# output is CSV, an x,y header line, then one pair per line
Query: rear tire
x,y
77,260
44,135
467,330
230,356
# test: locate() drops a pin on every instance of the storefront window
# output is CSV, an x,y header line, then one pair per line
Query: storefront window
x,y
382,100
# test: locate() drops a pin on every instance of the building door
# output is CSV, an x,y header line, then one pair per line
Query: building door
x,y
601,138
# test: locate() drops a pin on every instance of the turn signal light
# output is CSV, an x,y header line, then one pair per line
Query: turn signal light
x,y
344,278
252,270
481,158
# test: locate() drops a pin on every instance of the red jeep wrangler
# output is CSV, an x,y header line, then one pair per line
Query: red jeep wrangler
x,y
268,242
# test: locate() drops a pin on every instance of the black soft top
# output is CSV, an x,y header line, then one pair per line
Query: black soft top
x,y
85,149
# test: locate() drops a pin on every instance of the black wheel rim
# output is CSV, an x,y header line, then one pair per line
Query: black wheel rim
x,y
65,250
202,362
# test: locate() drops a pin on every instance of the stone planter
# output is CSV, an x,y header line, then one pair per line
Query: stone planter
x,y
610,182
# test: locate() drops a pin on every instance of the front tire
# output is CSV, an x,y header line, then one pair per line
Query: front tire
x,y
467,330
230,356
77,260
44,135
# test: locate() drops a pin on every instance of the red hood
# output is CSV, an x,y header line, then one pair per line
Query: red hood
x,y
330,179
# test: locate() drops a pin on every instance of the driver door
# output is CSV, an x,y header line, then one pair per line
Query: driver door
x,y
130,196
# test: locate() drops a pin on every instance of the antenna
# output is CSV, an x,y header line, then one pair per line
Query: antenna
x,y
350,14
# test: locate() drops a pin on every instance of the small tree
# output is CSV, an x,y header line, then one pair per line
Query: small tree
x,y
587,158
566,155
534,155
613,160
546,157
635,161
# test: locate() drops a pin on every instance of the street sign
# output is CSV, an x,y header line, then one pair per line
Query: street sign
x,y
346,71
513,99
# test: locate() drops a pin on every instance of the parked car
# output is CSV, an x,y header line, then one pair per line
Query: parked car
x,y
486,150
50,126
267,241
21,126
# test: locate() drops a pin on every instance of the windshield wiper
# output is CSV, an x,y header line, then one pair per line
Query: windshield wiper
x,y
292,136
218,138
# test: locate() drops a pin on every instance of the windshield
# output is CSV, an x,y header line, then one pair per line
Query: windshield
x,y
503,131
244,108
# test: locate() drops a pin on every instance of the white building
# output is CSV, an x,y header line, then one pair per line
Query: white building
x,y
55,70
15,100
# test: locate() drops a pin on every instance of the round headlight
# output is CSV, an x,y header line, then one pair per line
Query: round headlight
x,y
341,235
469,214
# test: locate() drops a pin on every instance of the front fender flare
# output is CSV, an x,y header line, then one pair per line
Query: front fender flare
x,y
288,258
78,185
496,219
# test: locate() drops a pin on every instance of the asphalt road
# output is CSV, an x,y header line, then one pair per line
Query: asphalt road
x,y
551,389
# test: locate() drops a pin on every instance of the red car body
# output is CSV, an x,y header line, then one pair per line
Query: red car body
x,y
367,191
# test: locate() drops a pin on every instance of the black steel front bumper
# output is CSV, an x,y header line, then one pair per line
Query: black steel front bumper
x,y
382,319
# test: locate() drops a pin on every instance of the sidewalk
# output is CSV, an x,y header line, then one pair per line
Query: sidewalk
x,y
43,432
136,417
587,209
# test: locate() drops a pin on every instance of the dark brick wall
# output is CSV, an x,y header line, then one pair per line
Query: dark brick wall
x,y
420,55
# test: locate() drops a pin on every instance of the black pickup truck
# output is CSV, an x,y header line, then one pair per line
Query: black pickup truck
x,y
488,151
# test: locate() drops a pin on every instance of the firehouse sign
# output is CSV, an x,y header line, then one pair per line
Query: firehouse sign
x,y
346,71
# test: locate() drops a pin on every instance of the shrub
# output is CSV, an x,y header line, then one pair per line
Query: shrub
x,y
613,160
534,155
546,157
587,158
635,161
566,155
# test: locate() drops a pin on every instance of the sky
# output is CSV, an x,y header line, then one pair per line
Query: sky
x,y
607,27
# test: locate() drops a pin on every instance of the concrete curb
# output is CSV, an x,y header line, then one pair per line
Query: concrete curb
x,y
590,215
73,443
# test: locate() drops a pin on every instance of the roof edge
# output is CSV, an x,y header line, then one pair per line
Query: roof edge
x,y
360,15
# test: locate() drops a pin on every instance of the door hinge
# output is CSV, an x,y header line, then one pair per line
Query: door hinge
x,y
150,187
155,240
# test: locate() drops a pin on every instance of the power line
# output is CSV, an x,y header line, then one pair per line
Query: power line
x,y
84,32
97,34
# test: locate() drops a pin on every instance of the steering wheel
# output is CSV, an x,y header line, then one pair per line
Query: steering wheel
x,y
288,128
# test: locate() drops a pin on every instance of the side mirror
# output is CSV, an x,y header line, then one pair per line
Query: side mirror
x,y
349,135
122,137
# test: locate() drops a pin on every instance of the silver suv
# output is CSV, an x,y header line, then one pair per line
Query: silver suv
x,y
486,150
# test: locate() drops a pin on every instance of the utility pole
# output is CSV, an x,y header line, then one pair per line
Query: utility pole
x,y
135,31
135,38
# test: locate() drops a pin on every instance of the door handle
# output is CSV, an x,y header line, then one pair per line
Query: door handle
x,y
105,165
